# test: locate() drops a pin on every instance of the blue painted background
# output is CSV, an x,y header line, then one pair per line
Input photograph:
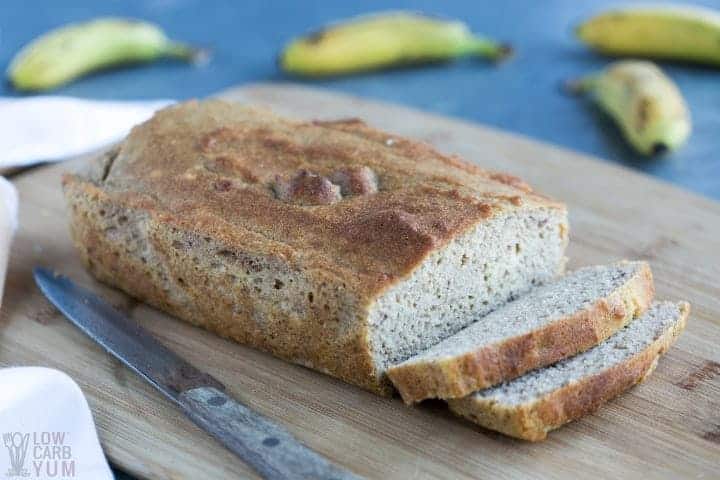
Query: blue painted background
x,y
521,95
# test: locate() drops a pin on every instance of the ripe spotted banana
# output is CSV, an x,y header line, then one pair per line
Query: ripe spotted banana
x,y
644,102
674,32
69,52
384,40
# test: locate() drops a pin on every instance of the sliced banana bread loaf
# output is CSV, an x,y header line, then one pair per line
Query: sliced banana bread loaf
x,y
329,244
548,324
530,406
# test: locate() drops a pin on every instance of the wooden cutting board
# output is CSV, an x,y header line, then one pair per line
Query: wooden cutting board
x,y
668,427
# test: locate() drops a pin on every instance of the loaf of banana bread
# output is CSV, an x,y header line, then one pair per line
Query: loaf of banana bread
x,y
327,243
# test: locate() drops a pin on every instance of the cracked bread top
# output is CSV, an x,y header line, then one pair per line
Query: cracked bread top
x,y
357,203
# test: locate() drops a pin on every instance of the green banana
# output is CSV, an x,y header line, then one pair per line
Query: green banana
x,y
675,32
384,40
644,102
69,52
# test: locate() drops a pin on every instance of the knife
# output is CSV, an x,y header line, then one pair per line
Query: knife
x,y
265,446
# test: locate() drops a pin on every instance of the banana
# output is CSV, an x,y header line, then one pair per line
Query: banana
x,y
384,40
69,52
644,102
672,32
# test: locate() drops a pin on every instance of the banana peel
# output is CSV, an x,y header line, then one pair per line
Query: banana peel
x,y
674,32
644,102
69,52
384,40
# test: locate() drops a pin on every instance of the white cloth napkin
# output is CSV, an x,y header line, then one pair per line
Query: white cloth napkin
x,y
51,128
8,225
8,205
47,429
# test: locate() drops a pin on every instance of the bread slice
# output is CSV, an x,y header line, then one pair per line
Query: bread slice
x,y
545,399
548,324
330,244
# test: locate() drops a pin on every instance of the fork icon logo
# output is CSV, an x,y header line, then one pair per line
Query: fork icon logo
x,y
17,446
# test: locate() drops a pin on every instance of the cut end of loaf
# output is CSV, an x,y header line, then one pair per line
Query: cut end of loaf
x,y
497,261
547,324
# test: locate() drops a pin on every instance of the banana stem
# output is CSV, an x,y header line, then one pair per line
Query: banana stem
x,y
581,85
188,53
484,47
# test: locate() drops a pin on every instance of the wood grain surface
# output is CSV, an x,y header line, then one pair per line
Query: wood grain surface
x,y
668,427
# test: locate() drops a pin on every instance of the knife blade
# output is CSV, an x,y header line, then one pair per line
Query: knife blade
x,y
265,446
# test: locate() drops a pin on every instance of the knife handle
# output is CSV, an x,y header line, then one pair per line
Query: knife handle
x,y
264,445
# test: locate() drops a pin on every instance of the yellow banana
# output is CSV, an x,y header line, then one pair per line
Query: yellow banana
x,y
644,102
69,52
672,31
384,40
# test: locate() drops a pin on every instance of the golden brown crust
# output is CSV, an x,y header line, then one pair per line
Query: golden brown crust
x,y
419,150
532,421
458,376
438,196
204,179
